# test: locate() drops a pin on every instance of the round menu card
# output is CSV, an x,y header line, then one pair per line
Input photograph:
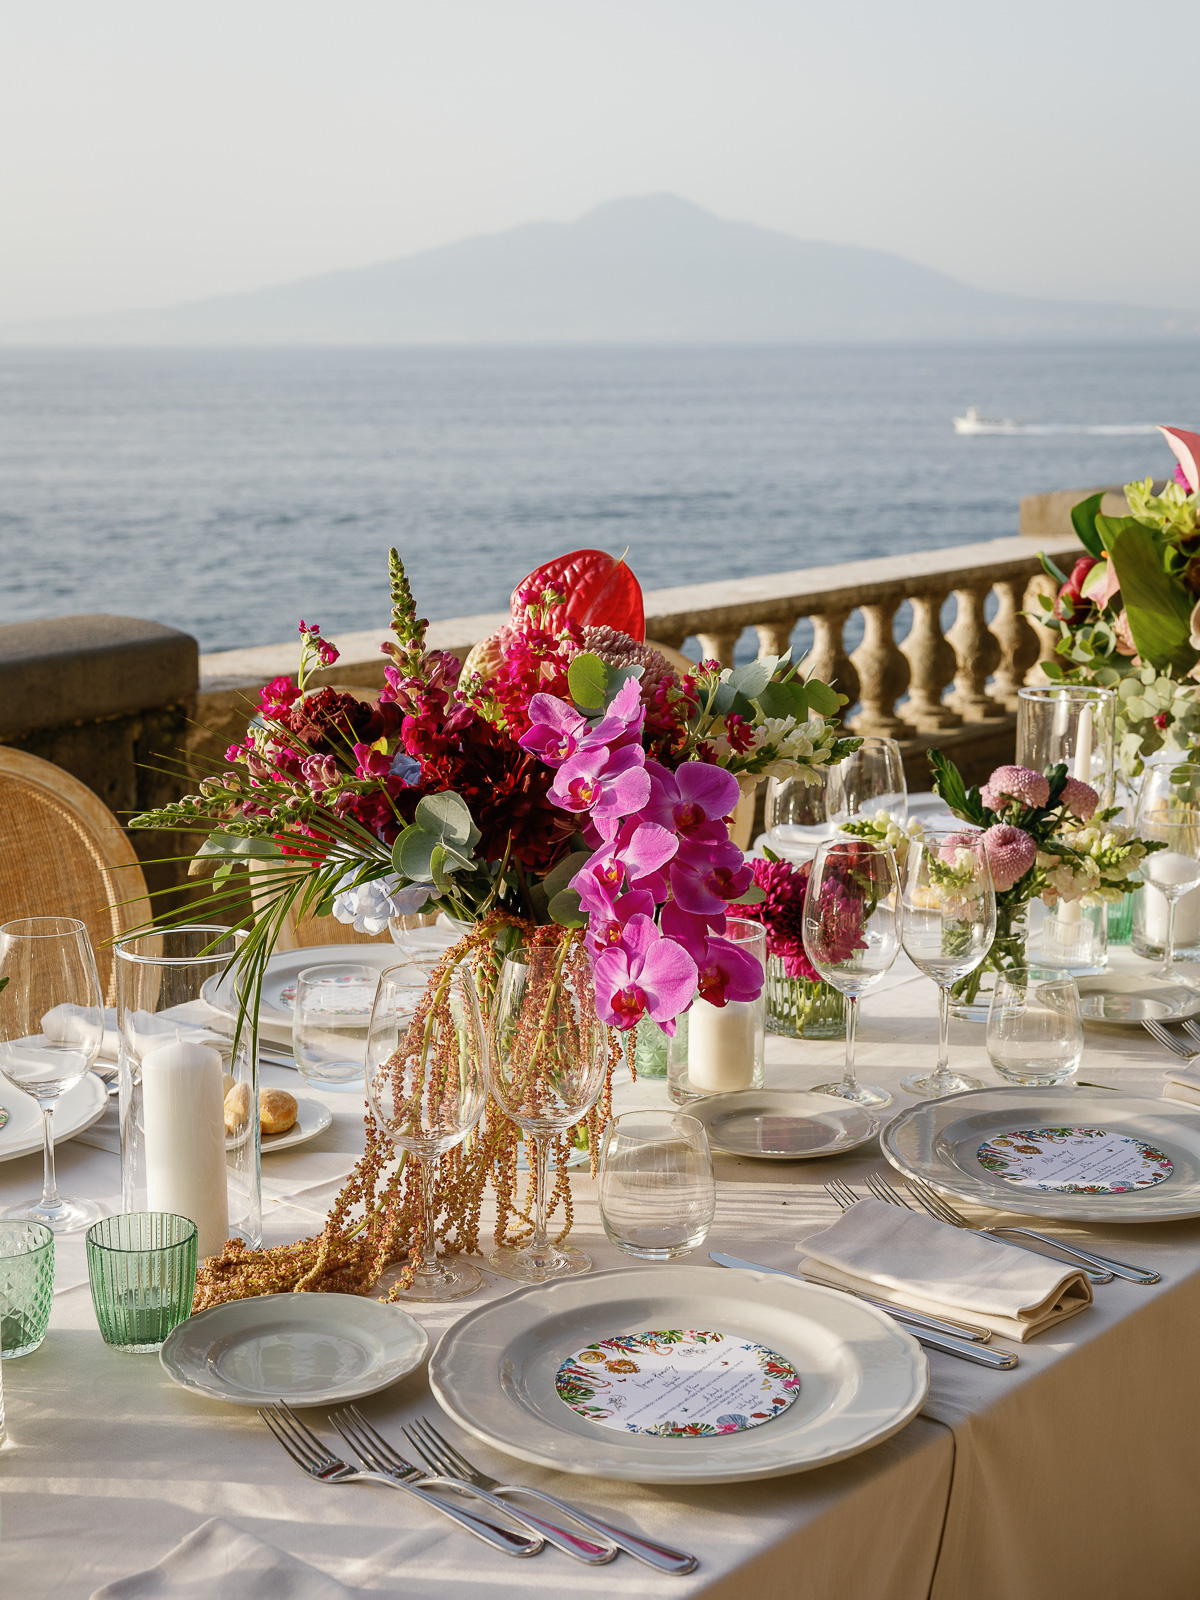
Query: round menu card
x,y
677,1383
1074,1160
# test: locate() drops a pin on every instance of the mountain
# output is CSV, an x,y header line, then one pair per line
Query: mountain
x,y
653,269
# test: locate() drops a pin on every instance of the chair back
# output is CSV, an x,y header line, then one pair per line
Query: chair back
x,y
63,854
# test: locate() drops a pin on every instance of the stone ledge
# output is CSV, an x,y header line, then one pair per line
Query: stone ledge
x,y
64,671
1048,516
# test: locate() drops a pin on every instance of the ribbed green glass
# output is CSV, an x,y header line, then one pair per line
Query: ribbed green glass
x,y
26,1286
142,1269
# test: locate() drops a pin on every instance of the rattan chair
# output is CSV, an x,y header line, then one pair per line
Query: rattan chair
x,y
62,853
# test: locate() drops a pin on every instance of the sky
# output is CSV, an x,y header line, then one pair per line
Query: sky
x,y
154,153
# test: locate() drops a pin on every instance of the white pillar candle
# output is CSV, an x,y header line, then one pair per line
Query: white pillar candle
x,y
1070,912
1171,866
721,1045
185,1139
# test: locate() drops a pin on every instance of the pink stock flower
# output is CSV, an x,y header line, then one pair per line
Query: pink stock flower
x,y
694,801
321,773
645,975
371,763
1080,799
1022,784
606,783
277,696
704,878
1010,852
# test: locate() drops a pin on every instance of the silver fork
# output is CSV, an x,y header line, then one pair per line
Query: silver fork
x,y
1174,1045
428,1442
309,1453
378,1454
938,1206
1190,1027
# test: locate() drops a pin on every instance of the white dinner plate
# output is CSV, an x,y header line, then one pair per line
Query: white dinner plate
x,y
1134,1000
312,1118
307,1349
939,1140
83,1104
782,1124
861,1376
279,982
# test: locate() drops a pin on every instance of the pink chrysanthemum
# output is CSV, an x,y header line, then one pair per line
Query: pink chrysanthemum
x,y
1010,852
1022,784
1080,799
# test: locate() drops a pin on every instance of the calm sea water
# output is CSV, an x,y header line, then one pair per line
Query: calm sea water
x,y
232,492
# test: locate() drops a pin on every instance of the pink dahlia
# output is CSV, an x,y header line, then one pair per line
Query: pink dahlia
x,y
1080,799
1010,852
1022,784
782,912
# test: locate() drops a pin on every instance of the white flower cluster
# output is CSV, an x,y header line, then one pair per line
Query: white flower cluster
x,y
794,749
1106,854
888,830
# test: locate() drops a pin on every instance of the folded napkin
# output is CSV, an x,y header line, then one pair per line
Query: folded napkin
x,y
1183,1083
911,1260
220,1562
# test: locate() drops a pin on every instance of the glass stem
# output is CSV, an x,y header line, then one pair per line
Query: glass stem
x,y
849,1079
943,1063
539,1245
50,1199
429,1261
1168,966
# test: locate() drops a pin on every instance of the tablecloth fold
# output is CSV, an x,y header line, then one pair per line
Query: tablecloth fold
x,y
221,1562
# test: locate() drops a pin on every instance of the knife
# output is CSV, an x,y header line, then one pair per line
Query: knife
x,y
951,1338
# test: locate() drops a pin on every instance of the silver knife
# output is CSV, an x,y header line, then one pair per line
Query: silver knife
x,y
948,1337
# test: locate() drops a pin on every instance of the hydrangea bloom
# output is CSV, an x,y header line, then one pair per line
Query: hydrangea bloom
x,y
369,907
1020,784
1010,852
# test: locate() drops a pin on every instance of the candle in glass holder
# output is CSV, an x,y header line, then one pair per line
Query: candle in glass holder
x,y
721,1046
185,1138
1171,866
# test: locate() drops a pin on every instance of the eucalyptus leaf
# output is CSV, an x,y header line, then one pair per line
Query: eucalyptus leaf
x,y
784,700
566,910
826,702
437,870
412,853
587,679
566,869
753,896
448,817
752,678
618,677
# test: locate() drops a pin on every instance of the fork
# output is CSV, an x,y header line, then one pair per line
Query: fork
x,y
938,1206
1190,1027
1174,1045
430,1445
309,1453
374,1449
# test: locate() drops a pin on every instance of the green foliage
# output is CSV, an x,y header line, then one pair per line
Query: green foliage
x,y
949,786
587,679
439,841
565,909
1051,568
1173,513
1157,605
1083,520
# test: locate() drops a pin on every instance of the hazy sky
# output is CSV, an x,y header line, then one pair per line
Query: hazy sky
x,y
153,151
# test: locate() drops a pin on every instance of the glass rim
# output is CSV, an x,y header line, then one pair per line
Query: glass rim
x,y
29,1222
1071,691
27,927
1038,974
123,952
676,1115
325,966
869,738
95,1243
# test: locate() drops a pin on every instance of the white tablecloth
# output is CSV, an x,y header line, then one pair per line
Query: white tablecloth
x,y
1073,1475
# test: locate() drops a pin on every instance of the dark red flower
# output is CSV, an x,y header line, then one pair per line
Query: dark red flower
x,y
1072,590
782,913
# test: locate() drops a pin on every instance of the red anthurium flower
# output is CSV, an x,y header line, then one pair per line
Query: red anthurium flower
x,y
599,591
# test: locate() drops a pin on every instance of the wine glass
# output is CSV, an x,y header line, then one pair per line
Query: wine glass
x,y
948,922
547,1065
427,1084
1034,1027
51,1027
1169,810
870,780
851,935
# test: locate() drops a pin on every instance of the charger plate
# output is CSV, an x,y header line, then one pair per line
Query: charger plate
x,y
83,1103
283,969
939,1140
782,1124
861,1376
1130,1001
307,1349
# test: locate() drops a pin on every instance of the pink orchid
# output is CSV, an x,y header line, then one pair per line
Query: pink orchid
x,y
555,730
694,800
704,878
728,971
607,927
689,930
371,763
645,975
607,783
622,721
635,858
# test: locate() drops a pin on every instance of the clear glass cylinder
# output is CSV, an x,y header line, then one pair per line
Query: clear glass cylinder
x,y
803,1008
1070,937
717,1049
796,818
1073,724
1149,935
189,1094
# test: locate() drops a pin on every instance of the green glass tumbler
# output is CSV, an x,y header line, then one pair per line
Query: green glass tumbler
x,y
26,1286
142,1269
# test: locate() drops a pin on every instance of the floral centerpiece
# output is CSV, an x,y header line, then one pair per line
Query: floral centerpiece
x,y
799,1003
1128,613
1044,836
566,787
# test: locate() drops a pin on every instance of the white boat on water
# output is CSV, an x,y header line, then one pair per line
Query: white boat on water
x,y
974,423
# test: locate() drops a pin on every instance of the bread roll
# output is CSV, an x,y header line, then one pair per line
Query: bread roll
x,y
277,1110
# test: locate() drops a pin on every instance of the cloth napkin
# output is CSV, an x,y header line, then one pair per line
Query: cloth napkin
x,y
220,1562
1183,1083
914,1261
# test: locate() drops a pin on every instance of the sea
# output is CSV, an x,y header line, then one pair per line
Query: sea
x,y
233,492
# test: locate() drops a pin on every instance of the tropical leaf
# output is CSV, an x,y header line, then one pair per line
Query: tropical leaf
x,y
566,909
1157,605
1083,520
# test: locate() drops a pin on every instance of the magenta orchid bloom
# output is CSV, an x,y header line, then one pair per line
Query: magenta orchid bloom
x,y
556,730
371,763
635,858
607,928
689,930
606,783
705,878
728,972
622,722
645,975
694,801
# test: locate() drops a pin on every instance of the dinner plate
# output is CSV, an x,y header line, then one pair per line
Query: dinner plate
x,y
782,1124
307,1349
940,1141
1134,1000
77,1109
284,968
312,1118
861,1376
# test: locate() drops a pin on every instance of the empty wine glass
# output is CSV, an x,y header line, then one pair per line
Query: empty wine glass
x,y
870,780
547,1064
1169,810
851,935
427,1084
51,1027
658,1194
1034,1026
948,922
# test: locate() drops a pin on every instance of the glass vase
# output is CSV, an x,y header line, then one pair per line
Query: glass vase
x,y
650,1050
803,1008
1073,938
971,997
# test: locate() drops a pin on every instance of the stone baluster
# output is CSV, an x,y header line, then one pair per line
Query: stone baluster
x,y
774,637
1046,634
719,645
827,659
978,654
882,671
932,665
1019,645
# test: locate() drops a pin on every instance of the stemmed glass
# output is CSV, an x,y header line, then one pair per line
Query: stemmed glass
x,y
427,1084
51,1028
1169,809
948,922
851,935
870,780
547,1064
